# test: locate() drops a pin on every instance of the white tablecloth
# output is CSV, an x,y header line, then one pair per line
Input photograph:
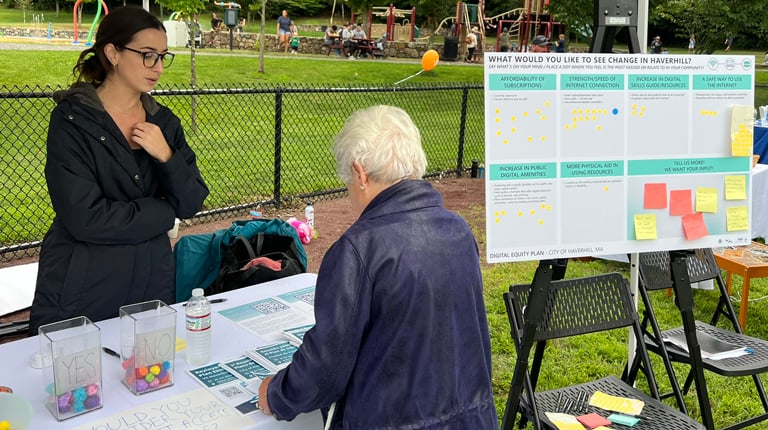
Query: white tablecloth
x,y
229,341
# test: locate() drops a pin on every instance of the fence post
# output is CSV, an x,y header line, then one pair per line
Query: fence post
x,y
462,128
278,144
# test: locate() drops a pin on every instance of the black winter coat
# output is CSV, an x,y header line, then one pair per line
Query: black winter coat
x,y
107,246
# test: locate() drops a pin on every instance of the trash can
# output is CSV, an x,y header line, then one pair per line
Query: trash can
x,y
451,49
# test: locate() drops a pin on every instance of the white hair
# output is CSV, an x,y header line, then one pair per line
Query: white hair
x,y
384,141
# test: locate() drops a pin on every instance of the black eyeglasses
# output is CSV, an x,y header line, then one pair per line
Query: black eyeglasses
x,y
151,58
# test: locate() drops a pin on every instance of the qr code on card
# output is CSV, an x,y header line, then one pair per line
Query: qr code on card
x,y
231,391
308,298
268,307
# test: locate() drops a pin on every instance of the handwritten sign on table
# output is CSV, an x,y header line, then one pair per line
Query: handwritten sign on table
x,y
197,409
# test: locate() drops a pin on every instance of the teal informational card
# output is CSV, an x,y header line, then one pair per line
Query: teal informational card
x,y
274,356
212,375
246,368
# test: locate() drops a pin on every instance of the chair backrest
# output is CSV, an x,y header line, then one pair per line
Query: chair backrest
x,y
577,306
655,273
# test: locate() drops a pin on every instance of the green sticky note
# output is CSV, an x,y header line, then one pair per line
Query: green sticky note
x,y
624,420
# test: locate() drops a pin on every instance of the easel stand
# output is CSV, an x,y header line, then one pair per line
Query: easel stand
x,y
605,35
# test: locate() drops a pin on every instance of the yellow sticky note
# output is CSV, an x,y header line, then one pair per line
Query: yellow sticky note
x,y
564,421
736,187
706,199
645,226
742,118
737,218
622,405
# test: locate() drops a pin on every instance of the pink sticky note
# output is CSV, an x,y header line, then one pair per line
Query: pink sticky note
x,y
593,420
693,226
680,202
655,196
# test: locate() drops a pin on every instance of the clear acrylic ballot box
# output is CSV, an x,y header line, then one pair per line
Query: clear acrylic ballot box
x,y
147,345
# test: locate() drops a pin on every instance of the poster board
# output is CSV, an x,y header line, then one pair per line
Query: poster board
x,y
595,154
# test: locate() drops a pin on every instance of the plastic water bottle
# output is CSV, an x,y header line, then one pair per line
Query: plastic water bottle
x,y
309,215
198,312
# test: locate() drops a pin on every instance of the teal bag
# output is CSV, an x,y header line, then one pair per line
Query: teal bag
x,y
198,256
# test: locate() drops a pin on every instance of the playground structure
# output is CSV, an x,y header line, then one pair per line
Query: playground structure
x,y
403,31
75,15
523,24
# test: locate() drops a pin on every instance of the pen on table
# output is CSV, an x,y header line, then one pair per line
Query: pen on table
x,y
110,352
212,301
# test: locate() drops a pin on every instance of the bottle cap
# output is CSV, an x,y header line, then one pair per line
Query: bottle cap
x,y
198,292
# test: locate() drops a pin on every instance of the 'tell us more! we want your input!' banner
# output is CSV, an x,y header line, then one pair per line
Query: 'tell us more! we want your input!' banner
x,y
595,154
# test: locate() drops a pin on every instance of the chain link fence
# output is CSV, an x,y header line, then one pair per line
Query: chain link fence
x,y
255,146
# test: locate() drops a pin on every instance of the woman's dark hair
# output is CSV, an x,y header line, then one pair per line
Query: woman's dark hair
x,y
117,28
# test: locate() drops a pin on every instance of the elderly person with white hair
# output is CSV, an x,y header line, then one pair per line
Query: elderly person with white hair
x,y
401,336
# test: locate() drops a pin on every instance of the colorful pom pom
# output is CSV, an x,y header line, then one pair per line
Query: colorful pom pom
x,y
141,372
79,395
141,386
92,389
92,402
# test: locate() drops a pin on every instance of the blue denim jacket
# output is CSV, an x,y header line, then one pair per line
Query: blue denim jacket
x,y
401,339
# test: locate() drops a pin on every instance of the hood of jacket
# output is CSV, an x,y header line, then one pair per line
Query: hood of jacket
x,y
85,93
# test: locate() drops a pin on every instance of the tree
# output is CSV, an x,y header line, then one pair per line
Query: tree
x,y
188,8
24,5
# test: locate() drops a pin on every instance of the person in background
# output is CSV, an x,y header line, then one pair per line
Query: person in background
x,y
294,39
401,334
359,36
728,43
656,46
193,26
241,25
561,44
216,24
347,41
119,171
692,44
283,30
471,41
504,41
331,39
540,43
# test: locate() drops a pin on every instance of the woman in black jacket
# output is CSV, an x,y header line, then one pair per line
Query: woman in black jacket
x,y
119,171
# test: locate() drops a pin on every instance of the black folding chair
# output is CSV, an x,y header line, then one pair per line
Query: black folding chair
x,y
655,275
575,307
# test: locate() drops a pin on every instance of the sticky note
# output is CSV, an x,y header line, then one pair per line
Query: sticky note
x,y
655,196
736,187
742,118
706,199
564,421
593,420
645,226
680,202
694,226
617,404
624,420
737,218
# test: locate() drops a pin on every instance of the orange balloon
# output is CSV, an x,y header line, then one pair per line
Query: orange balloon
x,y
429,60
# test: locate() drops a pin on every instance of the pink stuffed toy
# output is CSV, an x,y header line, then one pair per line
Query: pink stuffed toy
x,y
305,233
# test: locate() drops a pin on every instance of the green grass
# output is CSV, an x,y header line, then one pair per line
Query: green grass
x,y
26,67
